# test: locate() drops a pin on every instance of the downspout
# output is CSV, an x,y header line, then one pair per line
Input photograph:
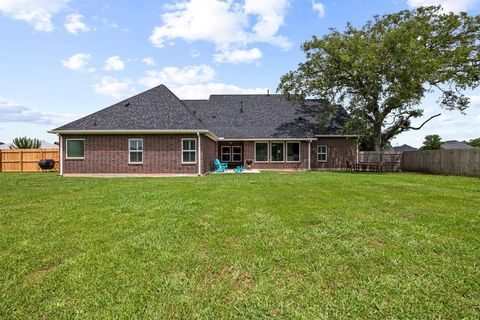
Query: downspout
x,y
309,152
61,155
199,154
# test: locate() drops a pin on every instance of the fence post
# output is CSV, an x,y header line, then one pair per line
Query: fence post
x,y
21,160
1,165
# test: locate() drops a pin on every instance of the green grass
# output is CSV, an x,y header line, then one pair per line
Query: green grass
x,y
306,245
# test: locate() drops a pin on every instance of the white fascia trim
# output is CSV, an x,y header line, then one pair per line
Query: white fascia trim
x,y
180,131
268,139
337,136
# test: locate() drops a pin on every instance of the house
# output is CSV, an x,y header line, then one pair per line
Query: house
x,y
156,132
403,148
455,144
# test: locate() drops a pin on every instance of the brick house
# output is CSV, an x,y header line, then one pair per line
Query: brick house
x,y
155,132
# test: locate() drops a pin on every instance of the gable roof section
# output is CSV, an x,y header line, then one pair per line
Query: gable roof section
x,y
404,147
263,116
154,109
455,144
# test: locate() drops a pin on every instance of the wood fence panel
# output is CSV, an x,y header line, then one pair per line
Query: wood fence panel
x,y
464,162
393,159
26,160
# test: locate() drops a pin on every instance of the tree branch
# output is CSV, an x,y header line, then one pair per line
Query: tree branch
x,y
418,128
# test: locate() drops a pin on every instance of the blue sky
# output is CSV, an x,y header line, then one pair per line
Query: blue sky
x,y
62,59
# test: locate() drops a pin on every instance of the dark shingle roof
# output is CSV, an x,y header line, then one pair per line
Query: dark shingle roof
x,y
155,109
404,147
227,116
264,116
455,144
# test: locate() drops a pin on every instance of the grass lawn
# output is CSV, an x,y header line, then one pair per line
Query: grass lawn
x,y
306,245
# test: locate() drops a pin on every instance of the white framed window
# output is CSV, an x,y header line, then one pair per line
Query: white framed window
x,y
261,151
189,150
277,151
75,148
293,151
226,153
322,153
135,151
236,154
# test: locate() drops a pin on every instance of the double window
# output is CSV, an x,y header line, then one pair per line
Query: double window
x,y
231,153
321,153
189,150
135,151
75,148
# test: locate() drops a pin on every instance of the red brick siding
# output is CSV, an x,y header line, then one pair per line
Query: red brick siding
x,y
109,154
338,151
209,153
249,153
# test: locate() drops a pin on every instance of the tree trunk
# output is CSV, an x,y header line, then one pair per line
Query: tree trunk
x,y
377,135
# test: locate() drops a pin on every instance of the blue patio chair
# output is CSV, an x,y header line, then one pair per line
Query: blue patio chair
x,y
239,169
219,166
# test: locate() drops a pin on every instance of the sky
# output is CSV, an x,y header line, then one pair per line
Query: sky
x,y
63,59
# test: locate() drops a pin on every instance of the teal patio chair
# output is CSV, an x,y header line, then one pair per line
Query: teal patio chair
x,y
239,169
219,166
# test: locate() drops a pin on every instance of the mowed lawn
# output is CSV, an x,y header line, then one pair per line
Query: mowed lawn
x,y
305,245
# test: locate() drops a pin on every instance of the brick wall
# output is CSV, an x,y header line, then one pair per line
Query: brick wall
x,y
109,154
209,153
338,151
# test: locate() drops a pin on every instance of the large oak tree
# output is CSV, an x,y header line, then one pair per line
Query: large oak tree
x,y
381,72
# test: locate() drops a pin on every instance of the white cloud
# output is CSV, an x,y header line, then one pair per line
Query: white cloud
x,y
319,8
238,56
38,13
231,27
114,64
204,90
195,53
12,111
448,5
74,23
172,76
112,87
474,101
477,120
149,61
77,61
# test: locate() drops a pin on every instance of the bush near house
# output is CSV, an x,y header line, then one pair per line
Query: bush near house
x,y
308,245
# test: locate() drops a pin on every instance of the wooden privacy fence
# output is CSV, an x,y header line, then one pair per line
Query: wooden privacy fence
x,y
450,162
393,159
26,160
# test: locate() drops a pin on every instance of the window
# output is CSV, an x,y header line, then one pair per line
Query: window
x,y
225,153
189,150
75,148
276,151
322,153
293,151
135,150
237,154
261,151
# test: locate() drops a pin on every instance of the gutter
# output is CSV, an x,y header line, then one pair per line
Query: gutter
x,y
199,154
309,154
337,135
208,133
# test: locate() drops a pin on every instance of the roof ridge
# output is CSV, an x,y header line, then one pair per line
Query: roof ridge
x,y
186,108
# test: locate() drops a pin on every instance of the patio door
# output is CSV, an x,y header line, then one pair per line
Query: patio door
x,y
231,154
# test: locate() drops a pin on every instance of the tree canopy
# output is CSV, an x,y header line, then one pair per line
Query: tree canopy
x,y
25,143
381,72
432,142
474,142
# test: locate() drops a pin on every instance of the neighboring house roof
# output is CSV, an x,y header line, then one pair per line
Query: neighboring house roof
x,y
404,147
44,145
154,109
455,144
264,116
226,116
